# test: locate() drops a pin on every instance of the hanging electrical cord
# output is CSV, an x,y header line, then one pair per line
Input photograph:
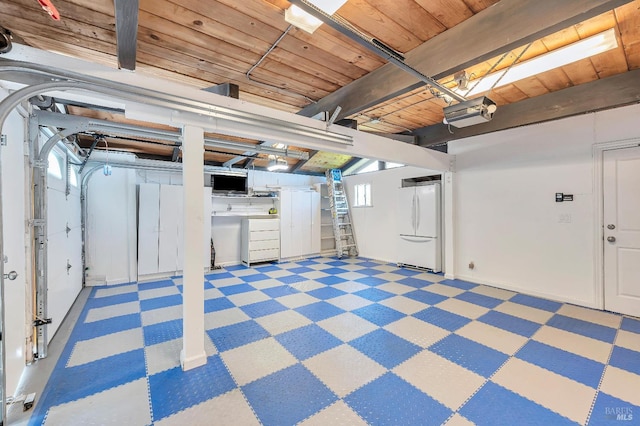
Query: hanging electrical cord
x,y
508,68
488,72
257,64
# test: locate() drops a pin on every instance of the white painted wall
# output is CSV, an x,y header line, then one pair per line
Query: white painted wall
x,y
111,230
15,245
507,221
375,227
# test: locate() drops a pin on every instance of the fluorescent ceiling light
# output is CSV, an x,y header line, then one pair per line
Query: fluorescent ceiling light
x,y
574,52
277,164
309,23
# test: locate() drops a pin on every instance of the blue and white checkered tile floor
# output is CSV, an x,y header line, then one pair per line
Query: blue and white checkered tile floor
x,y
344,342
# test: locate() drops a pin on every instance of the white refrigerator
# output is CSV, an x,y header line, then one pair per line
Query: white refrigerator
x,y
419,241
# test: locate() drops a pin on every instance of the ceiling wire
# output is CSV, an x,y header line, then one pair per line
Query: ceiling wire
x,y
509,67
257,64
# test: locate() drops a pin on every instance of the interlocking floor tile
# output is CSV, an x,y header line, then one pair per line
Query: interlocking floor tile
x,y
157,292
444,290
379,314
330,280
235,335
279,291
307,341
496,293
630,324
291,279
261,309
525,312
326,293
462,308
160,302
338,414
129,398
100,302
347,326
236,289
230,409
91,350
473,356
389,400
248,298
161,332
415,282
442,319
416,331
479,299
116,290
385,348
536,302
371,280
463,285
174,390
223,318
585,328
257,360
107,326
351,286
573,366
374,294
493,337
425,297
553,391
494,405
343,369
443,380
293,301
405,272
626,359
571,342
300,270
629,340
395,288
214,305
611,410
106,312
281,322
621,384
218,275
403,304
161,315
603,318
288,396
510,323
350,302
319,311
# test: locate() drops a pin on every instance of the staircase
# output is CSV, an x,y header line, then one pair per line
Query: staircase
x,y
340,215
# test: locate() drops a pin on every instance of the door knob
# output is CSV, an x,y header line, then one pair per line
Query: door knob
x,y
611,226
11,275
611,239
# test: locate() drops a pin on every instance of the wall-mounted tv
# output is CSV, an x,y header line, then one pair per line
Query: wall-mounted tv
x,y
229,184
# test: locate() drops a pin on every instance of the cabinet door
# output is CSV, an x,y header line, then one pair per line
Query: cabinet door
x,y
316,229
148,226
286,225
170,197
302,222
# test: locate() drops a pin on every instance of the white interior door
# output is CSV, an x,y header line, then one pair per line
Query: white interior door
x,y
148,227
621,185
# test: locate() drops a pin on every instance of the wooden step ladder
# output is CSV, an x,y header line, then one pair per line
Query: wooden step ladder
x,y
340,215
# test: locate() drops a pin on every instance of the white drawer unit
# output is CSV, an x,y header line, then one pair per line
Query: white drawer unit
x,y
260,240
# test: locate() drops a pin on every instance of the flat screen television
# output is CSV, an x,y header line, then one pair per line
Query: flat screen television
x,y
229,184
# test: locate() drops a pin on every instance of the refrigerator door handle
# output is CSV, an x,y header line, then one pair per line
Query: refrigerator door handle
x,y
415,239
418,214
413,213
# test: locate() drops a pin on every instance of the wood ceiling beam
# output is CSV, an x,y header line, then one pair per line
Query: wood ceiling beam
x,y
495,30
126,12
611,92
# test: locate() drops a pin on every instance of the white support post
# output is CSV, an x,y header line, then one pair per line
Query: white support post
x,y
193,354
449,225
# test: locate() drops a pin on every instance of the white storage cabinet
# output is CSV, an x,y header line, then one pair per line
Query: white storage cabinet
x,y
260,240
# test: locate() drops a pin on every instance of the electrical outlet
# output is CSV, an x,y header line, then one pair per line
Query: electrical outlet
x,y
564,218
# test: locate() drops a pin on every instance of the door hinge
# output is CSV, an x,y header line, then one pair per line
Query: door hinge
x,y
3,140
40,322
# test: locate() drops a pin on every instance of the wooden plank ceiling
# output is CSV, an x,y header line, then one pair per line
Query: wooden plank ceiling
x,y
203,43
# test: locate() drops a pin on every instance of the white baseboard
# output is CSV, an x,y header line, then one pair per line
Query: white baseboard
x,y
586,303
193,361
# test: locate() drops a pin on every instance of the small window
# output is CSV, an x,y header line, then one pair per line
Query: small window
x,y
54,169
73,177
373,167
362,195
389,165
